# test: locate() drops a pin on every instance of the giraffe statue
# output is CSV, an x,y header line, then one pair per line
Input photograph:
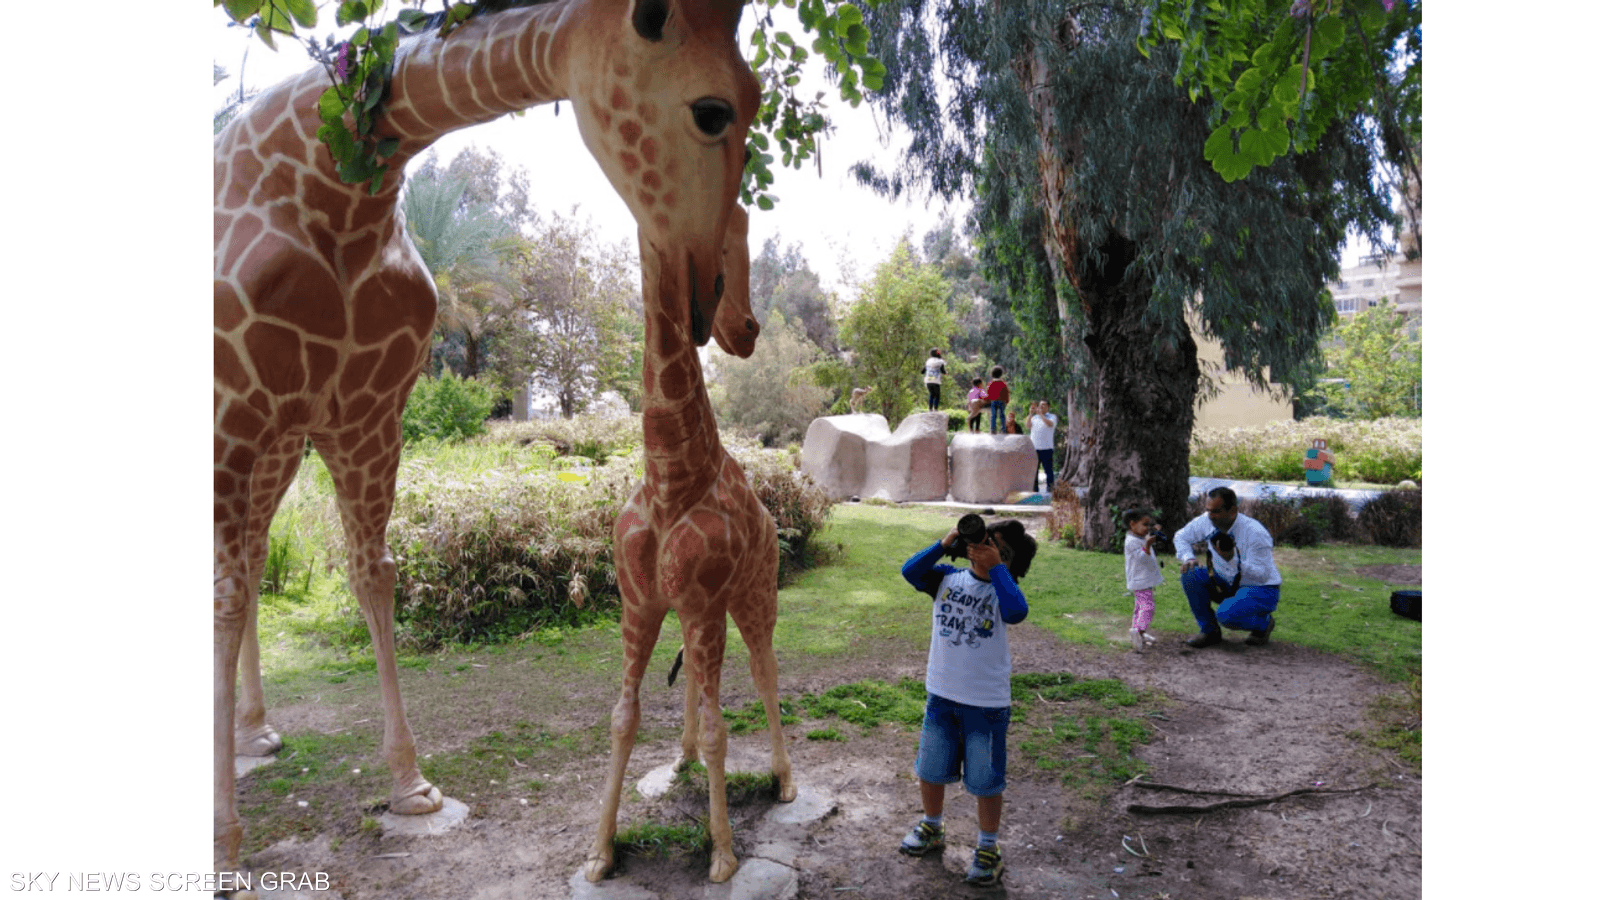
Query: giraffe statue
x,y
324,311
693,538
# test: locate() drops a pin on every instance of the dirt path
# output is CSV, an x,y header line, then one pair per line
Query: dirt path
x,y
1240,719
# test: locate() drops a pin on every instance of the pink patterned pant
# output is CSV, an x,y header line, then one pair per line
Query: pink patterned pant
x,y
1144,608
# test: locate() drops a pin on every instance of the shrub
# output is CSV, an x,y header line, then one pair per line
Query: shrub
x,y
446,408
1380,451
798,505
1064,523
1393,519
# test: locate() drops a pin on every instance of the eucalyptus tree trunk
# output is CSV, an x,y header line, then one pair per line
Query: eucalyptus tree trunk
x,y
1134,446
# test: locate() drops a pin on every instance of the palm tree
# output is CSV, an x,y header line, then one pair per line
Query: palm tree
x,y
464,246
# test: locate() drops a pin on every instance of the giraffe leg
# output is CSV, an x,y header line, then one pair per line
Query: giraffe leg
x,y
640,629
691,718
269,480
366,496
705,643
764,671
230,605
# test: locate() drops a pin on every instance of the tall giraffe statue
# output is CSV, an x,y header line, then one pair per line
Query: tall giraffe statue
x,y
693,538
324,310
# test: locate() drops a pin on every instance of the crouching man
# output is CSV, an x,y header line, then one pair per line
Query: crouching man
x,y
1242,580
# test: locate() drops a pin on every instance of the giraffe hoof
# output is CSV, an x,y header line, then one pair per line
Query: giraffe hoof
x,y
723,865
787,791
426,800
596,868
260,741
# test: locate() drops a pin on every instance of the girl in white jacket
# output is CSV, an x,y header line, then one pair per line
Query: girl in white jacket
x,y
1143,572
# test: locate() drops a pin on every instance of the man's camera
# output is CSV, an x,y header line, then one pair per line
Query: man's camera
x,y
970,529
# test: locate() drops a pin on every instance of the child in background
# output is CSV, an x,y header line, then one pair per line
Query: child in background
x,y
1143,571
976,398
969,684
999,395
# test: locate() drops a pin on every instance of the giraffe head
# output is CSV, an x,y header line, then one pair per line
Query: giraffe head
x,y
735,327
664,99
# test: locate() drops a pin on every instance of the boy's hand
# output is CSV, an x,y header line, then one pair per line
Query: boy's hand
x,y
983,555
949,539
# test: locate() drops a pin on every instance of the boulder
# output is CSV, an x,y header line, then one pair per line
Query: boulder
x,y
856,456
986,468
909,464
835,451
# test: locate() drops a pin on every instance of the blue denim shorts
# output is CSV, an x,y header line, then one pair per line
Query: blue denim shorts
x,y
964,743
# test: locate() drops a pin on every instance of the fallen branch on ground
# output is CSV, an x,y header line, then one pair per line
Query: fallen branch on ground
x,y
1246,800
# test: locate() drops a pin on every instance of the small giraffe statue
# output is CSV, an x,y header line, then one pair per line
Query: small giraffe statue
x,y
693,538
323,310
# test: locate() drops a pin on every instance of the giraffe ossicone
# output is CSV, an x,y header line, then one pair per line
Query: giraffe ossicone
x,y
324,311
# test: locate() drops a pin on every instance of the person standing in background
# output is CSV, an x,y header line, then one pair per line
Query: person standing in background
x,y
933,377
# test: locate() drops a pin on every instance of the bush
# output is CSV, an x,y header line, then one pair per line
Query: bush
x,y
1393,519
798,505
509,532
1380,451
1064,523
446,408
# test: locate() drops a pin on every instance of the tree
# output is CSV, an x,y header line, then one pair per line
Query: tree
x,y
771,394
465,245
1379,360
900,314
1282,72
1099,213
578,295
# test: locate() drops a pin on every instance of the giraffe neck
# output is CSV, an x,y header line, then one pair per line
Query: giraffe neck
x,y
683,453
494,64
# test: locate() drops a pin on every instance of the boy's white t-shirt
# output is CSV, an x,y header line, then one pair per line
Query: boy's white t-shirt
x,y
1142,569
969,656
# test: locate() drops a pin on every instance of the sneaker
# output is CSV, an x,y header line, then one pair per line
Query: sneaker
x,y
1205,639
1137,638
985,868
926,836
1149,639
1259,638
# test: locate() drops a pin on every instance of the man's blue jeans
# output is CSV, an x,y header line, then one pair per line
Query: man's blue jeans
x,y
1245,609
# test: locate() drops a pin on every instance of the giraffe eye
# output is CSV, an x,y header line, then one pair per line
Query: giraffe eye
x,y
711,116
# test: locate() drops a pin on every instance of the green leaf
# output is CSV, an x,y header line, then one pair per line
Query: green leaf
x,y
848,14
1254,146
240,10
387,147
1249,80
377,180
855,40
330,106
765,203
265,34
1220,142
355,11
1326,36
1277,141
304,12
412,18
1287,90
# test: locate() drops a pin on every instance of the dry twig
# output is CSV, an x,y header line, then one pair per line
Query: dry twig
x,y
1246,801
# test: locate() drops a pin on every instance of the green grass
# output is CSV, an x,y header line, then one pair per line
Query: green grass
x,y
1080,596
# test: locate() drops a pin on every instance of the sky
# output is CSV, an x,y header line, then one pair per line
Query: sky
x,y
844,229
105,651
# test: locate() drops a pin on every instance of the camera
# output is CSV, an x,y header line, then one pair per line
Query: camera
x,y
971,530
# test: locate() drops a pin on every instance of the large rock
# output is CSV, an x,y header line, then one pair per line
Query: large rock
x,y
856,456
835,451
910,464
986,468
